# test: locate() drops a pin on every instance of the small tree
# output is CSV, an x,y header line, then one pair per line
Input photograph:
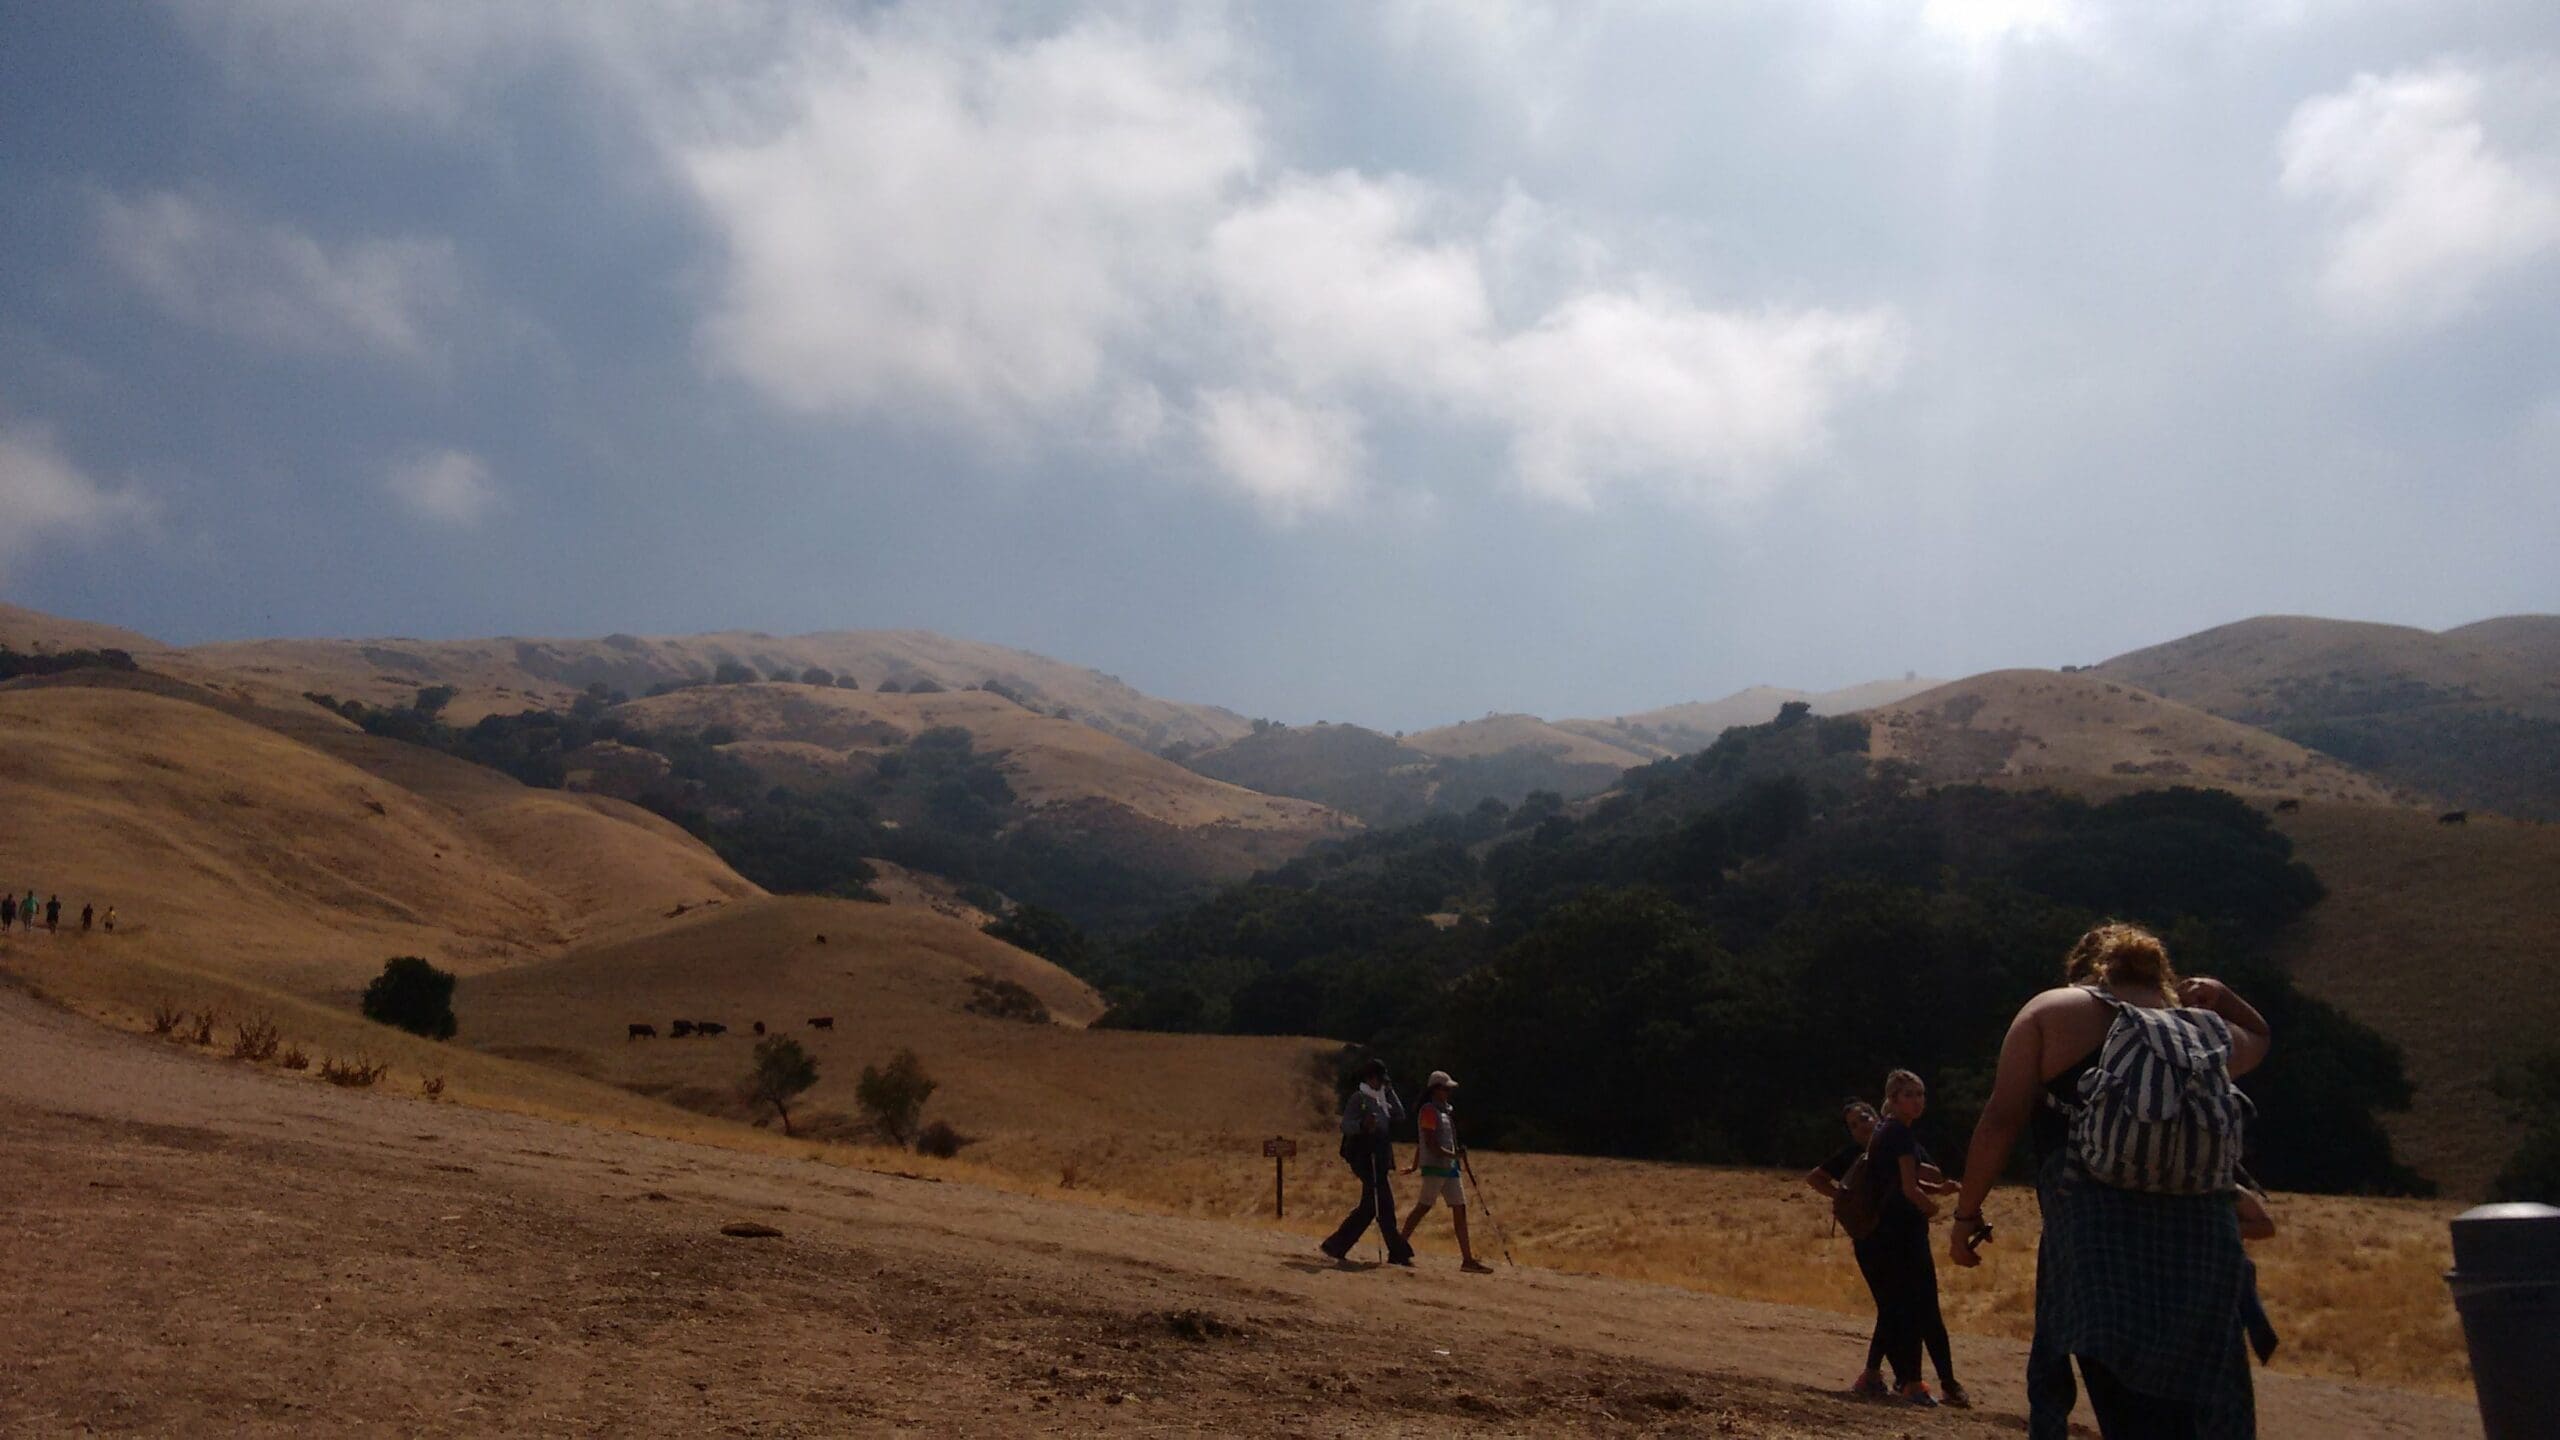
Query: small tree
x,y
817,675
893,1095
730,672
414,996
432,699
782,1072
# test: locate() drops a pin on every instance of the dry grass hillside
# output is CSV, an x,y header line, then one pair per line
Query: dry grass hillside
x,y
507,674
2277,667
2043,727
2440,937
1679,729
34,632
1501,734
1078,780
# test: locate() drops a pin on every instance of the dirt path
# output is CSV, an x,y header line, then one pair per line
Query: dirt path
x,y
192,1246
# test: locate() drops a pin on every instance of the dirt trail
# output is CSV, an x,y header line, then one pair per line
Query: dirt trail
x,y
192,1246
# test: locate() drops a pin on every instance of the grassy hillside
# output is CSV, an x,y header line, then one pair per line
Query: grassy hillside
x,y
2470,716
35,632
1679,729
2043,727
508,674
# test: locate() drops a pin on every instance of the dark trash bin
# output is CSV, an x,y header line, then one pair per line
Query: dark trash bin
x,y
2506,1284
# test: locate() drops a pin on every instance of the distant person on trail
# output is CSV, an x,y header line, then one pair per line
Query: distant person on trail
x,y
111,920
8,911
88,916
1436,1155
1370,1150
52,914
2123,1078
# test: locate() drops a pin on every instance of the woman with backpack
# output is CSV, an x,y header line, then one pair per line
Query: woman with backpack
x,y
2125,1081
1893,1258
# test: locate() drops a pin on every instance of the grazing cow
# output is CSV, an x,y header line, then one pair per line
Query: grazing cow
x,y
679,1029
709,1027
759,1027
2287,807
644,1032
822,939
822,1022
2454,817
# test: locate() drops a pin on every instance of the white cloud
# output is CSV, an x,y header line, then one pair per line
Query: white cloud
x,y
43,496
944,221
1291,459
277,286
448,487
2427,213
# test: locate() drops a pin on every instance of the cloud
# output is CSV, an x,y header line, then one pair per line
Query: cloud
x,y
449,487
276,286
934,219
1291,459
43,496
2426,213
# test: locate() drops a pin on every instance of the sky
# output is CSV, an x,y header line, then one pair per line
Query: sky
x,y
1394,361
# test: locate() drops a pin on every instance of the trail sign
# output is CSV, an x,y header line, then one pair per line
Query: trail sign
x,y
1278,1149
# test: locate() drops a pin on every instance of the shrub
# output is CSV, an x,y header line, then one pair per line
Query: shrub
x,y
1005,1000
165,1017
817,675
730,672
940,1140
893,1096
413,996
203,1032
783,1071
432,1087
254,1040
352,1073
294,1059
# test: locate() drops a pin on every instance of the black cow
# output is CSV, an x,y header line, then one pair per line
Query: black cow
x,y
822,1022
679,1029
759,1027
644,1032
2287,807
709,1027
2454,817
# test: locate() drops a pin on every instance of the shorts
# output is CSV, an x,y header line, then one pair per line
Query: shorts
x,y
1443,1187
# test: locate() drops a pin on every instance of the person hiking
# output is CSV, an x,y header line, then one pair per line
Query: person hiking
x,y
88,916
1370,1150
110,921
8,911
2140,1272
1827,1180
53,914
1435,1154
1905,1274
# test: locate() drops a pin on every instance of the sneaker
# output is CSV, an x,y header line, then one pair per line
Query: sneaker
x,y
1327,1250
1404,1260
1917,1393
1957,1397
1477,1267
1868,1386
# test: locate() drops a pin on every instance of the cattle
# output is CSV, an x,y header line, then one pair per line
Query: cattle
x,y
679,1029
759,1027
2454,817
709,1027
822,1022
822,939
644,1032
2287,807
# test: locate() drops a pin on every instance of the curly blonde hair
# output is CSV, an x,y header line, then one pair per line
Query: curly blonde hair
x,y
2120,953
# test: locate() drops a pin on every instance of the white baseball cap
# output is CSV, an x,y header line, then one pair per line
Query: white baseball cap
x,y
1438,1079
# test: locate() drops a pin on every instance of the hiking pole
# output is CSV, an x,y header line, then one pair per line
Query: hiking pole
x,y
1466,1158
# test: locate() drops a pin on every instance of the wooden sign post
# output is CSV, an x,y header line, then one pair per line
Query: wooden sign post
x,y
1279,1148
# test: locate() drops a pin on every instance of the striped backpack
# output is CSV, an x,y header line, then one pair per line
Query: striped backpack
x,y
2158,1112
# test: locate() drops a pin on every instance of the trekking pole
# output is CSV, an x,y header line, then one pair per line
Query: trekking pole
x,y
1466,1158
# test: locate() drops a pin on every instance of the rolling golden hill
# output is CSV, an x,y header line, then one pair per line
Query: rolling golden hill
x,y
2040,727
1077,780
1679,729
34,632
509,674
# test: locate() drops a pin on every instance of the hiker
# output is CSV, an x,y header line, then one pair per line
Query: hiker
x,y
8,911
2140,1273
1370,1150
53,914
1435,1154
110,921
87,916
1828,1180
1905,1273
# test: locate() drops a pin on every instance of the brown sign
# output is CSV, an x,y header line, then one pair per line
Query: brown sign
x,y
1278,1147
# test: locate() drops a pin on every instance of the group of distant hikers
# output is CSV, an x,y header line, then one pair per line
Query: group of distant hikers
x,y
15,912
2121,1081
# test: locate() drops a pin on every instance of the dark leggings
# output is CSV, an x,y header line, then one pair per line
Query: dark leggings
x,y
1903,1277
1373,1162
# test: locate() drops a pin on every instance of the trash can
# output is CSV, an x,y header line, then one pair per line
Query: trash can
x,y
2506,1284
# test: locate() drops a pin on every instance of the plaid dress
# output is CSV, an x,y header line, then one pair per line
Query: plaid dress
x,y
2150,1287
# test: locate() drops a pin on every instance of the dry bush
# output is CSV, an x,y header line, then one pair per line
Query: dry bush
x,y
352,1073
1001,999
203,1032
941,1140
254,1040
294,1059
1070,1173
432,1087
165,1017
